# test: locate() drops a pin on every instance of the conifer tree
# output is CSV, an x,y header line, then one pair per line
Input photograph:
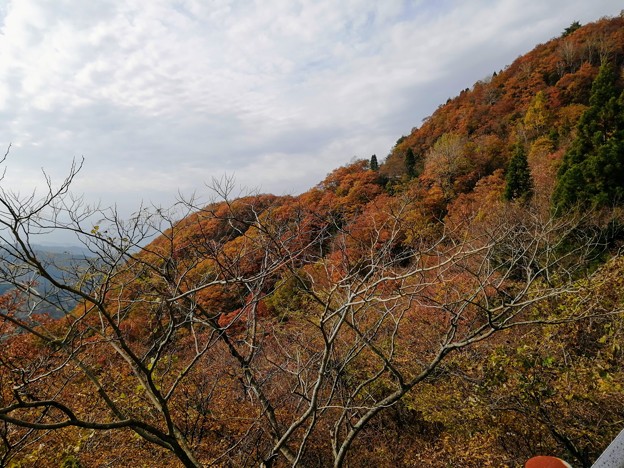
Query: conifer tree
x,y
519,184
410,163
374,165
570,29
592,172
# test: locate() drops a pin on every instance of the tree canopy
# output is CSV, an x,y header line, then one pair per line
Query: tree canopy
x,y
434,314
519,184
592,172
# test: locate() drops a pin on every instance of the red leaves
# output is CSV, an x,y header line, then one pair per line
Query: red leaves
x,y
237,320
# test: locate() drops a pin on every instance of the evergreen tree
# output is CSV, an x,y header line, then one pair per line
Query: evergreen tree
x,y
410,163
519,184
570,29
592,172
374,165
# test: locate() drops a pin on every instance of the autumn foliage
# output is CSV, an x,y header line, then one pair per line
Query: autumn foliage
x,y
435,310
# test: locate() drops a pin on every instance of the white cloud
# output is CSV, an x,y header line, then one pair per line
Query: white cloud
x,y
165,94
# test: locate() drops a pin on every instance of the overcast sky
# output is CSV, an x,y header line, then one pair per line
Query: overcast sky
x,y
162,95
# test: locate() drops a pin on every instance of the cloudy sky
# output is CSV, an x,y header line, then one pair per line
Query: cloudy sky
x,y
159,96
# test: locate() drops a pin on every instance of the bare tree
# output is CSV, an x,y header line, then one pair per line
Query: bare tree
x,y
167,333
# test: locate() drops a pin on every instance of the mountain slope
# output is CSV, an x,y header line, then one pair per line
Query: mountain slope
x,y
420,314
537,100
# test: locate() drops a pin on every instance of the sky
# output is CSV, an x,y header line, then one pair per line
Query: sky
x,y
162,96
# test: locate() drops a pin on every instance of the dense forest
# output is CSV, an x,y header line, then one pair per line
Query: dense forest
x,y
458,303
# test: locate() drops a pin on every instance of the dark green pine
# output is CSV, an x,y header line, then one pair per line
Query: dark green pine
x,y
519,184
592,172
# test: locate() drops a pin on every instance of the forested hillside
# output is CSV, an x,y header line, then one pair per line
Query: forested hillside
x,y
458,303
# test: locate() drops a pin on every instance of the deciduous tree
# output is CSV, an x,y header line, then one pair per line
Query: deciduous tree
x,y
173,340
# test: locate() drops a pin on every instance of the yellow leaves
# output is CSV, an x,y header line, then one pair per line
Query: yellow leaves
x,y
445,162
606,382
537,116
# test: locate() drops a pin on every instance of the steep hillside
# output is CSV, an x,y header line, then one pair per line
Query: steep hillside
x,y
442,309
536,101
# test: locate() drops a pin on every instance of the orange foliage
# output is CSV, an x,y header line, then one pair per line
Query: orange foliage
x,y
321,245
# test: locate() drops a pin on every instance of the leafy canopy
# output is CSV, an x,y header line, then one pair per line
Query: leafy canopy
x,y
592,172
